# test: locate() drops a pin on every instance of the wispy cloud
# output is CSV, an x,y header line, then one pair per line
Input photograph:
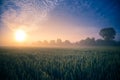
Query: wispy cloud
x,y
27,13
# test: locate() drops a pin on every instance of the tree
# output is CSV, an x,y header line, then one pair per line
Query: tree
x,y
45,42
52,42
67,42
59,41
107,33
88,41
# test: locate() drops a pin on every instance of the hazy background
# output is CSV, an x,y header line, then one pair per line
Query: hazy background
x,y
51,19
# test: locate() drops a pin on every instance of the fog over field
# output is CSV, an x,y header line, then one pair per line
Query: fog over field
x,y
59,39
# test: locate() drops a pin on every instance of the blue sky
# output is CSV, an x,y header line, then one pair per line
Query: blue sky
x,y
67,19
101,13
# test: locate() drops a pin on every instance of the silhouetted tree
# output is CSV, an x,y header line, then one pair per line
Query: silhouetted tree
x,y
67,42
45,42
88,41
52,42
59,41
107,33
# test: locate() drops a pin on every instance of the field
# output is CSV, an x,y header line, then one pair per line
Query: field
x,y
59,64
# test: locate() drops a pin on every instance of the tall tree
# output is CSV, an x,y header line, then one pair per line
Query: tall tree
x,y
107,33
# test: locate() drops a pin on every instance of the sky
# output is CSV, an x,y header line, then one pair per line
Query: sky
x,y
51,19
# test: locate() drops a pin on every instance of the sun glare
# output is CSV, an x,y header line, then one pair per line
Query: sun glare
x,y
20,35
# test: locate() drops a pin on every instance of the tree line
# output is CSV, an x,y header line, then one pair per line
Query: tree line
x,y
107,34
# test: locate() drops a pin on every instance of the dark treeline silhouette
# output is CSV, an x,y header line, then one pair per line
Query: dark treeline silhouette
x,y
107,34
57,42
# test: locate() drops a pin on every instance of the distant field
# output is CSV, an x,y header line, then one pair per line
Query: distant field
x,y
59,64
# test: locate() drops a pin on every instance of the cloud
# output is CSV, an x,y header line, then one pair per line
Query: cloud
x,y
26,14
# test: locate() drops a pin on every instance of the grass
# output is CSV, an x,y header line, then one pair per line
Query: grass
x,y
59,64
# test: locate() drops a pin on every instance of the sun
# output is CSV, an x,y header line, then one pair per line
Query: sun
x,y
20,35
